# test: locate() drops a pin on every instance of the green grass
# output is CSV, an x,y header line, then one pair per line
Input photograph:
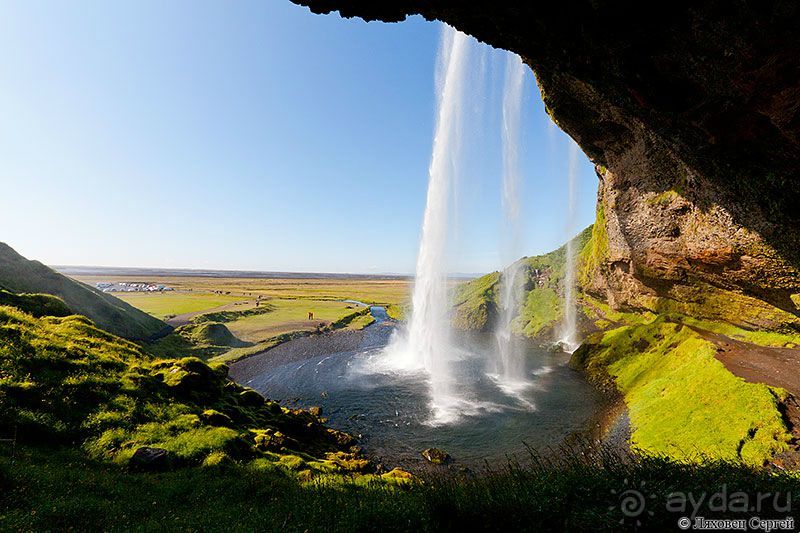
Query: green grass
x,y
19,275
289,315
761,338
271,328
398,312
200,338
595,251
360,321
710,303
234,354
37,305
605,317
682,401
476,302
370,291
59,489
543,308
169,304
62,380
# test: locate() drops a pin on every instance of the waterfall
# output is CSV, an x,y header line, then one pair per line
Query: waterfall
x,y
427,342
509,366
569,337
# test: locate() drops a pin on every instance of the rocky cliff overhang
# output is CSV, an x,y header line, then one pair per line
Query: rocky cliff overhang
x,y
696,100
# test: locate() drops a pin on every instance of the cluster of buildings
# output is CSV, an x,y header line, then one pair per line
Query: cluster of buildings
x,y
106,286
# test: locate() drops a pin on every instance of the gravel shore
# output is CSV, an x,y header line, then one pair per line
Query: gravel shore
x,y
296,350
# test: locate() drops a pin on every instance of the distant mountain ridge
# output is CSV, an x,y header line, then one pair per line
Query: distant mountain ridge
x,y
21,275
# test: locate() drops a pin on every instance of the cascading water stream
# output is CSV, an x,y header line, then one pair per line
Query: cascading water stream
x,y
569,337
427,343
509,364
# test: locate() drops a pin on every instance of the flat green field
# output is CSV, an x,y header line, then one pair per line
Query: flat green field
x,y
170,304
232,301
371,291
289,315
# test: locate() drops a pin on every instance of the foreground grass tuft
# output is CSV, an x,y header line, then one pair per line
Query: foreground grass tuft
x,y
579,491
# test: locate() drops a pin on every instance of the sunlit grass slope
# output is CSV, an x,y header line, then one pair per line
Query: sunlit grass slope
x,y
64,381
682,401
476,302
20,275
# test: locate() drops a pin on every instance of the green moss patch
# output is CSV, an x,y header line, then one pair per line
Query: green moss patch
x,y
682,401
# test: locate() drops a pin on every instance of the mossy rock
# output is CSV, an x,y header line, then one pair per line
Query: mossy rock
x,y
221,369
251,398
273,440
218,459
398,476
436,456
213,417
341,438
292,462
351,462
305,476
273,407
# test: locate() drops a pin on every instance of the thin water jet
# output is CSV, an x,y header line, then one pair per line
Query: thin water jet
x,y
509,363
569,336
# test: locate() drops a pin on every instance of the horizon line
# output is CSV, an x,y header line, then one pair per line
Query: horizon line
x,y
199,272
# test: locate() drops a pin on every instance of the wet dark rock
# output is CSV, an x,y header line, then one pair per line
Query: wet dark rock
x,y
436,456
149,459
341,438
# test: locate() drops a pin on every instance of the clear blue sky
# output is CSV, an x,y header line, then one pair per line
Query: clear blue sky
x,y
245,135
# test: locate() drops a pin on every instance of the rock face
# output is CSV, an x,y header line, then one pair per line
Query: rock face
x,y
691,113
149,459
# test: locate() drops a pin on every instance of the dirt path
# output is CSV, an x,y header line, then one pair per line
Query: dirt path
x,y
778,367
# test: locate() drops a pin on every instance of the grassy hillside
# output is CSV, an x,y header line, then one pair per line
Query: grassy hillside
x,y
19,275
682,401
64,381
203,339
476,301
38,305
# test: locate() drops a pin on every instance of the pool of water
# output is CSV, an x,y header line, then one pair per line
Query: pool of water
x,y
390,410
